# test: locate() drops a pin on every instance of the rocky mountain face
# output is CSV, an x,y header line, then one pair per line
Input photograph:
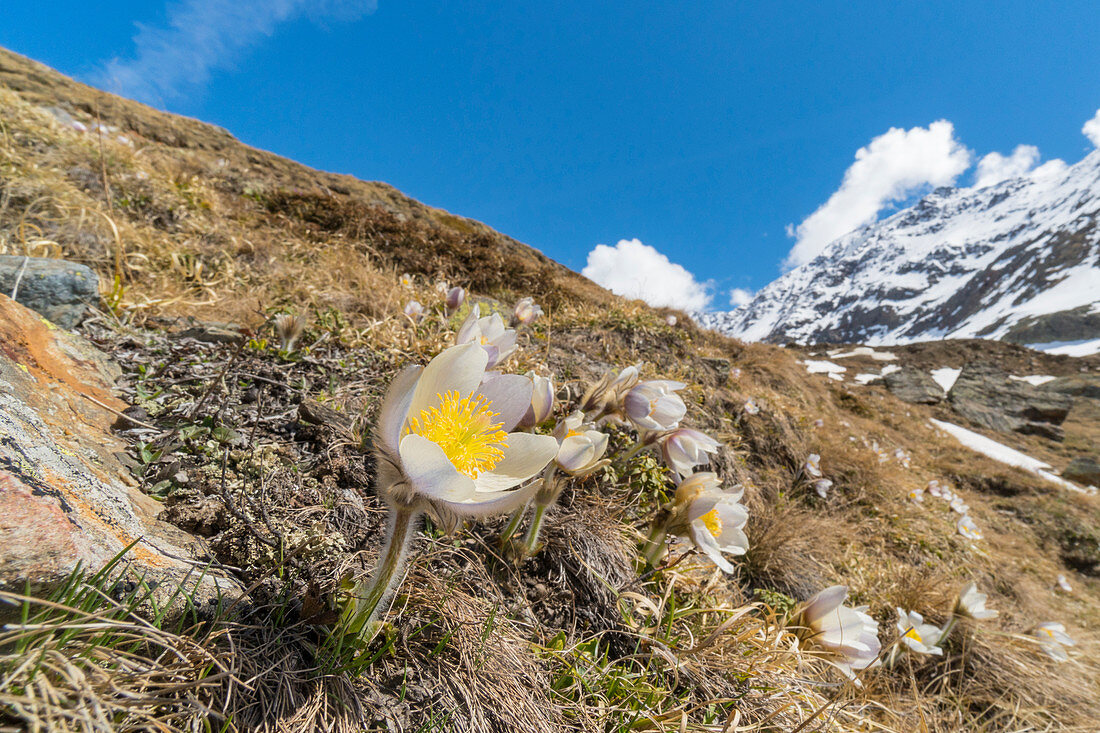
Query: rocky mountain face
x,y
1016,261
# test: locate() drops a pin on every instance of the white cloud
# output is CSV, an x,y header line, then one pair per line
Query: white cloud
x,y
994,168
202,35
894,166
636,270
1091,129
740,297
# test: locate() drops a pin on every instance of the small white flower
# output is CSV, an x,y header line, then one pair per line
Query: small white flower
x,y
849,635
406,280
819,423
670,320
750,407
971,604
456,296
812,466
735,373
654,405
414,311
490,333
685,448
959,506
916,635
443,441
822,486
580,447
916,496
542,401
711,518
947,494
968,528
1063,583
1053,639
441,287
934,488
526,311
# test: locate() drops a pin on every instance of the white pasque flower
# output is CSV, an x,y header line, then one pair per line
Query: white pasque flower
x,y
406,280
542,401
414,311
750,407
685,448
670,320
971,604
526,311
1053,639
968,528
443,441
849,635
822,486
1063,583
959,506
654,405
490,333
916,496
812,466
918,636
713,519
934,488
580,446
456,296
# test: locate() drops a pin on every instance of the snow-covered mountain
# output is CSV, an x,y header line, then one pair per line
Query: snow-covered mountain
x,y
1019,260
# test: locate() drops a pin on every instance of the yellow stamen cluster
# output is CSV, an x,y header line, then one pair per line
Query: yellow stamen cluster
x,y
912,634
713,523
465,429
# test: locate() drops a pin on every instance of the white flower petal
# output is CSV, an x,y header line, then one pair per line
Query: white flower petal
x,y
431,473
395,406
459,369
576,452
510,397
524,456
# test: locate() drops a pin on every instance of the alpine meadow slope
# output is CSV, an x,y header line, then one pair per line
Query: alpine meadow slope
x,y
684,561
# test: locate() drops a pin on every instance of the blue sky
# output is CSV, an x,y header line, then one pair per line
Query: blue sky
x,y
709,132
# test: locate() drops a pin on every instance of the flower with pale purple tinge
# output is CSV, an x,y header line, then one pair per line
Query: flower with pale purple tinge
x,y
934,488
685,448
968,528
848,636
490,333
821,487
812,466
456,296
750,407
542,401
1063,583
580,446
443,438
916,635
713,519
819,423
916,496
654,405
670,321
526,311
1053,640
414,311
735,373
971,604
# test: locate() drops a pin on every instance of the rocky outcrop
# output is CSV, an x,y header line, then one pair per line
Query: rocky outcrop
x,y
1084,470
65,497
986,396
60,290
914,386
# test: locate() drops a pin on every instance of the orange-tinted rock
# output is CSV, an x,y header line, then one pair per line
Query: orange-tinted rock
x,y
64,497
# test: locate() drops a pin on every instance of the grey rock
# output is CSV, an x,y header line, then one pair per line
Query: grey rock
x,y
60,290
986,396
212,333
914,386
1084,470
1085,385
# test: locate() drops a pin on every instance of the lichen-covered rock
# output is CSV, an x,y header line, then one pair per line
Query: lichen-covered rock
x,y
65,499
914,386
57,289
1084,470
986,396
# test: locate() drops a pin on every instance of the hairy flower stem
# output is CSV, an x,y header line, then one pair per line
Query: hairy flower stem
x,y
655,544
530,541
634,450
947,628
361,617
513,524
